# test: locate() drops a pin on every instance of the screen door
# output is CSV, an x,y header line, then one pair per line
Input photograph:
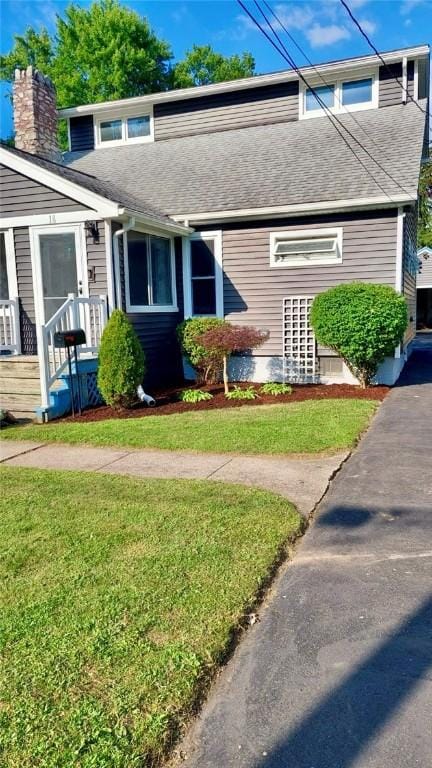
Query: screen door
x,y
60,269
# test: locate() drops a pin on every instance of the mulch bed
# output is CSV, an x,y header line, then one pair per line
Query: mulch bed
x,y
167,400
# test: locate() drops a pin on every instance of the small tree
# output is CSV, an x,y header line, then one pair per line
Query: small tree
x,y
362,322
121,362
187,333
222,341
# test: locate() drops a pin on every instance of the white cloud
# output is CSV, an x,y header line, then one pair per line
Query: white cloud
x,y
369,26
408,5
320,36
295,17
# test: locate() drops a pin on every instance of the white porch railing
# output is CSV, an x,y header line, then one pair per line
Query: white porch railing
x,y
10,340
76,312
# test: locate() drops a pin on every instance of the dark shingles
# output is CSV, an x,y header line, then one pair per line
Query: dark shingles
x,y
287,163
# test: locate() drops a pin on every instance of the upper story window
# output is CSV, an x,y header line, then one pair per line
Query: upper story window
x,y
309,247
120,129
345,94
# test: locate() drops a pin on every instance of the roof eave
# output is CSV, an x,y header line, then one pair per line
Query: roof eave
x,y
244,83
285,211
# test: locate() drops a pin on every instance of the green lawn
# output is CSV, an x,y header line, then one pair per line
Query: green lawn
x,y
305,427
118,599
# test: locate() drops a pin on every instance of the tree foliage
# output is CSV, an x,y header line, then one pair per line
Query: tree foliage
x,y
424,235
362,322
202,66
121,362
187,333
222,341
105,51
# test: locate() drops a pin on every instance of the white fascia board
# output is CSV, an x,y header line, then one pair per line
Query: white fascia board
x,y
41,219
332,206
244,83
174,227
105,207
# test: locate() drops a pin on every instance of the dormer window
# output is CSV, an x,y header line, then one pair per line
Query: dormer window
x,y
345,94
124,129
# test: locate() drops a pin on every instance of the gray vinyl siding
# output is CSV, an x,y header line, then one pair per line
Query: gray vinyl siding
x,y
255,106
409,280
20,196
254,291
81,132
157,331
390,91
423,78
97,260
25,290
424,277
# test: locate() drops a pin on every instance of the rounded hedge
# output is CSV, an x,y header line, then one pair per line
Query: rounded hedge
x,y
187,333
121,362
362,322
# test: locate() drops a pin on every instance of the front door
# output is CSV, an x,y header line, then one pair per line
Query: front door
x,y
59,263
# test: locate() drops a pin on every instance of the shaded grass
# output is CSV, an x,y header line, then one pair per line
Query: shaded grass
x,y
119,597
305,427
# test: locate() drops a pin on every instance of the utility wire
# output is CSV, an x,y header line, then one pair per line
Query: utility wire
x,y
334,120
318,73
382,60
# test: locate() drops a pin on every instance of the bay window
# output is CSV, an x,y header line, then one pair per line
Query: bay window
x,y
149,273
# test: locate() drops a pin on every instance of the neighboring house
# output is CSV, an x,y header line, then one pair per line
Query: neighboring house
x,y
424,288
239,200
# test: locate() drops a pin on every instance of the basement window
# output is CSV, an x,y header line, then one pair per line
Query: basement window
x,y
306,248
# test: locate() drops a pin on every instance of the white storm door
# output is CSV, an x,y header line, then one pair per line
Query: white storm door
x,y
59,267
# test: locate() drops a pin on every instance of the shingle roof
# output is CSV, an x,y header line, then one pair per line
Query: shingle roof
x,y
289,163
105,188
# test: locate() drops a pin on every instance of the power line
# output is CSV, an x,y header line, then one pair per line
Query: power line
x,y
318,73
333,119
382,60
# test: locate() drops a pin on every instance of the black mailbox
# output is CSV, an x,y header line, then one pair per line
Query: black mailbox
x,y
66,339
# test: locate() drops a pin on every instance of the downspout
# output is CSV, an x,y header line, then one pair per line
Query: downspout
x,y
129,225
399,260
405,80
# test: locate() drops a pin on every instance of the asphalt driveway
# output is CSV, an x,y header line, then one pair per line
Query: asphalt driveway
x,y
338,672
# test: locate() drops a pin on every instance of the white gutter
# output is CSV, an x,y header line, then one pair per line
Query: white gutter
x,y
244,83
129,225
399,262
380,201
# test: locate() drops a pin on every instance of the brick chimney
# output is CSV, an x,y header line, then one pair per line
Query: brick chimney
x,y
35,114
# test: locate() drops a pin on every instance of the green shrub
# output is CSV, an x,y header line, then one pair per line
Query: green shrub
x,y
238,393
121,362
362,322
187,334
194,396
274,388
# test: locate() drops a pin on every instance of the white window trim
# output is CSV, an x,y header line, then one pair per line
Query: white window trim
x,y
215,235
338,107
10,262
150,308
124,115
302,234
81,254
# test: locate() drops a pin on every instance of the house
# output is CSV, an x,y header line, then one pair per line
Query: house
x,y
424,288
240,200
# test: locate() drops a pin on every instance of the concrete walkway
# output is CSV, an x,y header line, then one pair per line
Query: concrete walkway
x,y
302,480
338,672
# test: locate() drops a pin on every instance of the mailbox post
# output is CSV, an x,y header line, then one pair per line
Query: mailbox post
x,y
71,340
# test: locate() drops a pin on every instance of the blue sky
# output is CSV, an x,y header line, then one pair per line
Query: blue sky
x,y
322,27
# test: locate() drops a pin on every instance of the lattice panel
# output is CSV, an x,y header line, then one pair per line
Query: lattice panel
x,y
299,345
94,396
